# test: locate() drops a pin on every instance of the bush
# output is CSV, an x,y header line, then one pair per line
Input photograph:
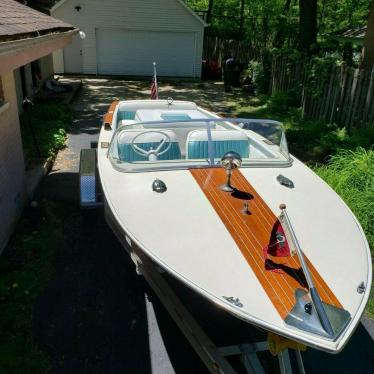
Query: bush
x,y
258,74
317,140
50,123
281,102
351,174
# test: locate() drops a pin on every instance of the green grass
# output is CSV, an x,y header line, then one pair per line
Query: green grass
x,y
50,123
25,268
351,175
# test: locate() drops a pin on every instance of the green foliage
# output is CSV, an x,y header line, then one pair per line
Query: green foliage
x,y
25,267
50,123
336,16
256,71
281,102
274,23
351,175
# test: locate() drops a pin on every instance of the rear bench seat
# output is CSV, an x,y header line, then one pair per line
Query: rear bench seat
x,y
223,141
148,141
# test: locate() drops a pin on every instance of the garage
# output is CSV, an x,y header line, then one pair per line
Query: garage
x,y
124,37
138,50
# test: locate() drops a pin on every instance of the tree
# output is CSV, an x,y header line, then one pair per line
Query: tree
x,y
241,25
307,23
368,49
279,36
209,11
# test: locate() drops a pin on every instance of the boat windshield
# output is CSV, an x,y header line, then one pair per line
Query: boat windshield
x,y
182,144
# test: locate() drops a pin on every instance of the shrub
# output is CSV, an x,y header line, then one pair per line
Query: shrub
x,y
50,123
281,102
351,174
258,75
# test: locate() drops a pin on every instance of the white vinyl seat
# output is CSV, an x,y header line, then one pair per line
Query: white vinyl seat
x,y
223,141
149,140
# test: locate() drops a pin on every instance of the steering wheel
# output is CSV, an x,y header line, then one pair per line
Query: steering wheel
x,y
152,154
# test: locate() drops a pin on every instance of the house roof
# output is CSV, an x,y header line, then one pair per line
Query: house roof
x,y
52,5
18,21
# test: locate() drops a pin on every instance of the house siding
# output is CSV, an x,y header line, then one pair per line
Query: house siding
x,y
46,67
12,169
149,15
46,71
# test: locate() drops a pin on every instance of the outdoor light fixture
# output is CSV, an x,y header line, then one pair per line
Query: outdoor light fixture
x,y
230,161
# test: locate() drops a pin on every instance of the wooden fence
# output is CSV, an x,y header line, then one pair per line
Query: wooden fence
x,y
286,74
345,98
215,49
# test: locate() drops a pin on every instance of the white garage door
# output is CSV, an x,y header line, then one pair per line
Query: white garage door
x,y
128,52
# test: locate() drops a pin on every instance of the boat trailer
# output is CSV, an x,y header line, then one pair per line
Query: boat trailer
x,y
213,357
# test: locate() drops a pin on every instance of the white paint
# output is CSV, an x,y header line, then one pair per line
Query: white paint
x,y
137,50
72,54
171,17
190,241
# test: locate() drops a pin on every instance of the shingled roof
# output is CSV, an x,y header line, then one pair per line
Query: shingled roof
x,y
18,21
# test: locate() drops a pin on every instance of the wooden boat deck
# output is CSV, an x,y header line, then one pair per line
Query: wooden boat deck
x,y
279,276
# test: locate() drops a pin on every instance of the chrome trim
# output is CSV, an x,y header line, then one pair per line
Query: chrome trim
x,y
313,296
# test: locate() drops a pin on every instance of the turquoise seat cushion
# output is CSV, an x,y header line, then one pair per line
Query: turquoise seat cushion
x,y
199,149
125,115
127,154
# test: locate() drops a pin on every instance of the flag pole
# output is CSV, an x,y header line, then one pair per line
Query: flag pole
x,y
155,78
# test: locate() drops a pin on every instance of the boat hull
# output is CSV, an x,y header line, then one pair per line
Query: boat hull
x,y
183,232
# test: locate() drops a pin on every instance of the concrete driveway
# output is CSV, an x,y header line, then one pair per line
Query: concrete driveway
x,y
97,315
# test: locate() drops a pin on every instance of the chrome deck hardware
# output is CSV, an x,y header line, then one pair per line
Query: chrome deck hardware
x,y
230,161
284,181
309,312
159,186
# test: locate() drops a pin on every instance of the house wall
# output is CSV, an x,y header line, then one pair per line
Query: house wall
x,y
12,169
46,67
151,15
46,70
13,194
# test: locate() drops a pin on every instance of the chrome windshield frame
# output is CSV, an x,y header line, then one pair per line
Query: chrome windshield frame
x,y
236,123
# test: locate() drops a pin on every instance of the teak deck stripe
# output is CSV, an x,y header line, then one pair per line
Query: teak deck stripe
x,y
252,233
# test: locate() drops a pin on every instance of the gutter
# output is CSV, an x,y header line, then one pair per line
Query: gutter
x,y
13,46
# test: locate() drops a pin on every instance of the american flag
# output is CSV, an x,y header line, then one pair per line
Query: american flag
x,y
154,93
154,87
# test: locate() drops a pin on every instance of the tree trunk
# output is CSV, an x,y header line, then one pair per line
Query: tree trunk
x,y
209,12
307,23
241,27
368,49
279,36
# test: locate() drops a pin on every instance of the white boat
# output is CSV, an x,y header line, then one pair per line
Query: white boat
x,y
222,206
